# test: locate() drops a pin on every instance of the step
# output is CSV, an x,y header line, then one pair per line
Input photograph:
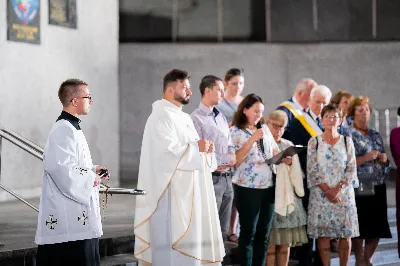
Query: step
x,y
385,257
119,260
108,246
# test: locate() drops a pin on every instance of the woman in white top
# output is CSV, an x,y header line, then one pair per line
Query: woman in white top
x,y
288,230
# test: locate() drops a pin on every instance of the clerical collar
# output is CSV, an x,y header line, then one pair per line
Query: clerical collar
x,y
70,118
207,110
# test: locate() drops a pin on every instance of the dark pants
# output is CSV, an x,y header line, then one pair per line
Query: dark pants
x,y
305,252
81,252
256,210
224,197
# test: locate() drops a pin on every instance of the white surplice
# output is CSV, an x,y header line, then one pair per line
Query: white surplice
x,y
69,205
176,223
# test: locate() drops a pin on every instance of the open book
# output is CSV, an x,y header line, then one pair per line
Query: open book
x,y
292,150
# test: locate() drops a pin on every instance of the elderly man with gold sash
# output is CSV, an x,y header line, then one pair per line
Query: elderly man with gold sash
x,y
298,104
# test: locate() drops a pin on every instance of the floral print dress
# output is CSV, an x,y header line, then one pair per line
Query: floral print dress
x,y
332,164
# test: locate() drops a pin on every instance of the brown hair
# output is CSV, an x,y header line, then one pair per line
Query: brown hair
x,y
69,89
173,76
240,119
339,95
233,72
357,101
331,108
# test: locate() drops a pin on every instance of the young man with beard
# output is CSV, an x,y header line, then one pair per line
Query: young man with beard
x,y
176,223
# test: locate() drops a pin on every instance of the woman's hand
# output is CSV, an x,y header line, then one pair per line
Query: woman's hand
x,y
287,160
259,134
382,157
372,155
333,194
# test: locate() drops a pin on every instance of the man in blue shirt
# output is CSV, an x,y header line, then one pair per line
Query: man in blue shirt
x,y
212,125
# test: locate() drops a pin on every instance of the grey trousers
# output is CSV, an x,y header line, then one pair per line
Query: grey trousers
x,y
224,196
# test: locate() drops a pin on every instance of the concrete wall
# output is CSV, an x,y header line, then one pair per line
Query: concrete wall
x,y
31,74
192,13
271,71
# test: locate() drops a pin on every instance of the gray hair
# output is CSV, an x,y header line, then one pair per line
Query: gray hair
x,y
278,115
303,85
322,90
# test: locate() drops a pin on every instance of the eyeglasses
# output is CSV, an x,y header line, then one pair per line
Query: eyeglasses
x,y
331,117
84,97
277,127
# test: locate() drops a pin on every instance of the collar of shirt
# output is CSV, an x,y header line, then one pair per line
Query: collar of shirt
x,y
297,104
70,118
314,116
207,110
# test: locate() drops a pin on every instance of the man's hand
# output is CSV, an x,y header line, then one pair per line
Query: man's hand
x,y
97,181
204,145
98,170
212,147
221,167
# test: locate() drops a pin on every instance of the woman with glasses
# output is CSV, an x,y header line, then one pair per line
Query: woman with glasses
x,y
331,171
253,180
372,167
288,227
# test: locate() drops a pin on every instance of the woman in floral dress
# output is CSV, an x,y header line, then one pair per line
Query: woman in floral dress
x,y
372,168
332,174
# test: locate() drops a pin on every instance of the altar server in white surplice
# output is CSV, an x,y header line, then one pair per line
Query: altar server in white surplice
x,y
176,223
69,222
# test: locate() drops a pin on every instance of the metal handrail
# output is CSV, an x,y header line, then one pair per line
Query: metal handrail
x,y
21,144
38,151
23,139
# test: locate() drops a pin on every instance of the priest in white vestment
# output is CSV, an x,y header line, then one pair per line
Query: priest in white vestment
x,y
176,223
69,222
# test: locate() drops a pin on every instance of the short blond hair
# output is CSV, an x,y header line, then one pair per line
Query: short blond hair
x,y
277,115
